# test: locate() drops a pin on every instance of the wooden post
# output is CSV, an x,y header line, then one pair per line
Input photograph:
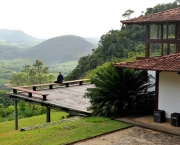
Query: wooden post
x,y
157,90
30,94
44,97
162,45
48,115
34,88
15,115
81,82
14,91
176,36
176,31
50,86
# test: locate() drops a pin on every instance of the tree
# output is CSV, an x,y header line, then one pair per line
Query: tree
x,y
35,74
29,75
120,91
162,7
117,44
111,46
128,13
4,98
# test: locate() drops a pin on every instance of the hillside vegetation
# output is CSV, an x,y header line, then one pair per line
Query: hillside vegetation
x,y
60,49
55,50
118,44
59,54
9,52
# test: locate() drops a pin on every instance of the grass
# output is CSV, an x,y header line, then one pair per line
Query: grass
x,y
61,133
40,119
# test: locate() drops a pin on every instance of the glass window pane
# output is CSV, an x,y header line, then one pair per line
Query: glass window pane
x,y
155,31
171,31
155,49
165,49
172,48
164,31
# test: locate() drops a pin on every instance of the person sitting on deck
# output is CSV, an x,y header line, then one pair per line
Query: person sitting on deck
x,y
59,78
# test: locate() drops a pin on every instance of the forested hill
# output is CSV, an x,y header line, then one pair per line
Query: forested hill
x,y
117,44
60,49
9,52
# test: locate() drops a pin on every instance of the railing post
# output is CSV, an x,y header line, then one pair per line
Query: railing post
x,y
34,88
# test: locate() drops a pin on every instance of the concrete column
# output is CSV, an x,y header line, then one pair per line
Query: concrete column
x,y
48,115
15,115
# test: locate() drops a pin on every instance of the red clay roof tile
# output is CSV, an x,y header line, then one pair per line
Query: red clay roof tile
x,y
171,15
170,63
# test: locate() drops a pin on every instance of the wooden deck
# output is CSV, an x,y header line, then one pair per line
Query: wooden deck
x,y
70,98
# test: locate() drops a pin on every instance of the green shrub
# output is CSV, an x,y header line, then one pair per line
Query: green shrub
x,y
117,92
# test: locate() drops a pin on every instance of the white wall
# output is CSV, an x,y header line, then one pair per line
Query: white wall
x,y
154,75
169,93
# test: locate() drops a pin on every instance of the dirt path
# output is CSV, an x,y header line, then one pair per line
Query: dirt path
x,y
134,136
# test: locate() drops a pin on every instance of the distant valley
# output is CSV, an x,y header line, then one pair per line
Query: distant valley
x,y
55,50
59,53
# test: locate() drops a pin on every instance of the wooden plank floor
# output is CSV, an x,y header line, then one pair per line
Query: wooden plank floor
x,y
71,97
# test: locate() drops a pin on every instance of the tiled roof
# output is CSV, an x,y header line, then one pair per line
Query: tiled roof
x,y
171,15
170,63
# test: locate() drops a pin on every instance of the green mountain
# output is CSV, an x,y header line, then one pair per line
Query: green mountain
x,y
60,53
17,38
60,49
9,52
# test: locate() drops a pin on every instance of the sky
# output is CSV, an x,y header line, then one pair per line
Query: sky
x,y
51,18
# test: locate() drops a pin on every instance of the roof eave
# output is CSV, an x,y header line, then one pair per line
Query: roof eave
x,y
148,22
141,68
